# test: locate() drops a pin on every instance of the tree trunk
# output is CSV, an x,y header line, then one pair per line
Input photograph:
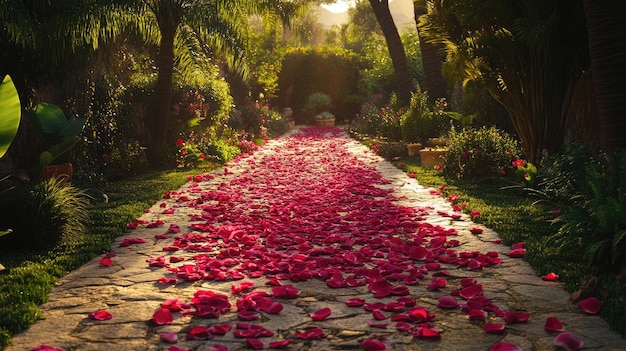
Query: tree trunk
x,y
396,49
160,112
607,35
431,60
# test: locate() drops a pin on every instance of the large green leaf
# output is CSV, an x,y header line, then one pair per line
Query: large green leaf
x,y
10,114
72,127
48,118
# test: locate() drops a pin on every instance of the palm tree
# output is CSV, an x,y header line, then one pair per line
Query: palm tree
x,y
404,85
432,58
516,48
179,27
607,35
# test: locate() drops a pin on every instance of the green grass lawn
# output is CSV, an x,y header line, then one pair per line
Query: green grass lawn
x,y
516,217
29,276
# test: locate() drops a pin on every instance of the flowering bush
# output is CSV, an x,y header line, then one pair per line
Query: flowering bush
x,y
253,116
378,119
247,146
189,155
482,152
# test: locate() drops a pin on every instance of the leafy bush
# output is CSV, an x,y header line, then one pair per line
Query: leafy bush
x,y
221,151
317,103
251,117
590,192
418,123
482,152
378,119
43,214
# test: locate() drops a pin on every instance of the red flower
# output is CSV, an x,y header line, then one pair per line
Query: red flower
x,y
180,142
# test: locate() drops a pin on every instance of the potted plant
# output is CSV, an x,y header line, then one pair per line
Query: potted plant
x,y
417,123
318,105
56,135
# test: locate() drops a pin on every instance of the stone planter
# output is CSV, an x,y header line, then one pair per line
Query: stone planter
x,y
324,122
413,148
429,158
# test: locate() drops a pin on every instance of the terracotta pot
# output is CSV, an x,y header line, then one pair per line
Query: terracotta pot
x,y
324,122
64,170
429,158
414,148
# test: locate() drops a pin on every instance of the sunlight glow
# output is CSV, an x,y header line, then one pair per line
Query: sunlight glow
x,y
339,6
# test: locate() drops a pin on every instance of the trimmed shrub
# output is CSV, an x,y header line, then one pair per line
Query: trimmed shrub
x,y
480,152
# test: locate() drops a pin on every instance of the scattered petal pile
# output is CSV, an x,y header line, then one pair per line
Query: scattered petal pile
x,y
293,215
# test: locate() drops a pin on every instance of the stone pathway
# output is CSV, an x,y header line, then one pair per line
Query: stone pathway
x,y
129,289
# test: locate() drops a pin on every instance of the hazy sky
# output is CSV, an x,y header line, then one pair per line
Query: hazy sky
x,y
339,6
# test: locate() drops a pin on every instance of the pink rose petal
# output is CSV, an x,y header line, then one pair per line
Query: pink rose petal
x,y
355,302
171,338
568,342
255,344
45,347
590,305
199,332
280,344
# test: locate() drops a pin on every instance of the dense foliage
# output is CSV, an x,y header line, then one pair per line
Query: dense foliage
x,y
334,72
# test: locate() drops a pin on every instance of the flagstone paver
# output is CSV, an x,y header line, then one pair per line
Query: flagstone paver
x,y
129,291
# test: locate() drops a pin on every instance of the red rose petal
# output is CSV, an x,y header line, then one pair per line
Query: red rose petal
x,y
568,342
199,332
553,325
373,345
106,261
321,314
590,305
280,344
310,334
551,277
505,346
45,347
355,302
493,328
447,302
162,316
220,329
101,315
517,253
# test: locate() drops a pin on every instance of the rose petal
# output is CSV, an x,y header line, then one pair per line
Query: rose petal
x,y
551,277
373,345
106,261
590,305
162,316
553,325
45,347
568,342
171,338
447,302
310,334
493,328
280,344
255,344
505,346
355,302
199,332
101,315
321,314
